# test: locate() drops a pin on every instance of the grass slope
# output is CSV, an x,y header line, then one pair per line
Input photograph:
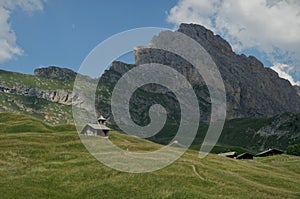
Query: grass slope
x,y
42,161
241,134
13,79
44,109
51,112
48,111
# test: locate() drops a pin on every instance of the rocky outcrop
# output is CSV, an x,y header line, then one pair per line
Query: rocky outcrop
x,y
54,72
252,90
51,83
60,96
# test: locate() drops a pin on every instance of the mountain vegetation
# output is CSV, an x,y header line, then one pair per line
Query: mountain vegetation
x,y
294,149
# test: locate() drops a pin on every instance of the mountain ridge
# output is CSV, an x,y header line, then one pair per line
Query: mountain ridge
x,y
252,92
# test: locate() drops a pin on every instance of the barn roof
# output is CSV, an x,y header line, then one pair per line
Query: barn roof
x,y
244,155
99,126
268,151
232,153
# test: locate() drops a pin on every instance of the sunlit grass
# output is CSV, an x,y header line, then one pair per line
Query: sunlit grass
x,y
53,163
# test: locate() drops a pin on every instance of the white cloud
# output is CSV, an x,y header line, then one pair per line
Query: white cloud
x,y
8,39
270,26
284,71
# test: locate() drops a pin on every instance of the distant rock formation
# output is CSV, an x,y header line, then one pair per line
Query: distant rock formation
x,y
252,90
52,83
55,72
59,96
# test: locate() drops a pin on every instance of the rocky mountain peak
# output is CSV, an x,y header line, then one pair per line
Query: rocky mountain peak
x,y
121,67
54,72
252,90
206,38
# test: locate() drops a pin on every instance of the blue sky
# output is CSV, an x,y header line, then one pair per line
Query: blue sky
x,y
38,33
65,31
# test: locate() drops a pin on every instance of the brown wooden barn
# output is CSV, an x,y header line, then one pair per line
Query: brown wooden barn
x,y
99,129
269,153
245,156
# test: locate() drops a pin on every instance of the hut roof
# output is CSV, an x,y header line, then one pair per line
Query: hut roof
x,y
102,118
99,126
228,154
241,156
269,151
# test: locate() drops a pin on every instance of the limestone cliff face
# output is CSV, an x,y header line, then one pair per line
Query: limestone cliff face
x,y
59,95
252,90
53,84
65,95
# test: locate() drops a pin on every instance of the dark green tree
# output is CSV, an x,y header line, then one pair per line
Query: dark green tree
x,y
294,149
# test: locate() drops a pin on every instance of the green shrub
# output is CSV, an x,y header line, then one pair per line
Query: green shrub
x,y
294,149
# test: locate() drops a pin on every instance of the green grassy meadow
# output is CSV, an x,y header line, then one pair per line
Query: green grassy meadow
x,y
14,79
38,160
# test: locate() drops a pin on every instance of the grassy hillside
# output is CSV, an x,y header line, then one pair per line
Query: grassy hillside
x,y
282,131
14,79
39,160
242,134
50,112
35,95
15,123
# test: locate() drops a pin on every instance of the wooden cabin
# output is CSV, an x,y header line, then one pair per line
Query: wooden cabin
x,y
245,156
99,129
269,153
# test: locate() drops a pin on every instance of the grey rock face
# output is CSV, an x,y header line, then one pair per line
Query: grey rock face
x,y
54,72
252,90
60,96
